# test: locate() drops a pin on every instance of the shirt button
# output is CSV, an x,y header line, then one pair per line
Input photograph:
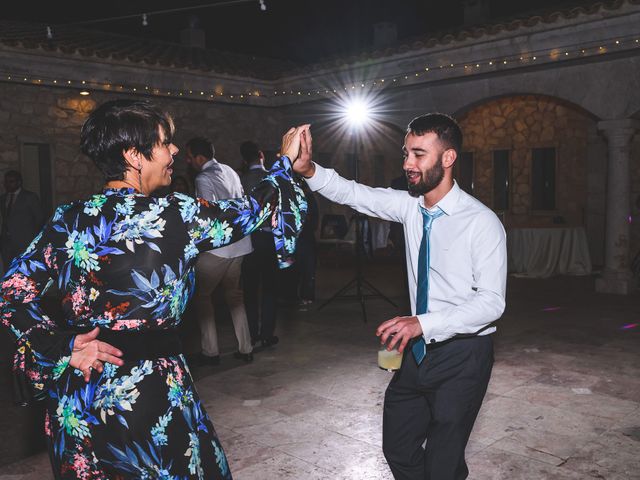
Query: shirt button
x,y
433,340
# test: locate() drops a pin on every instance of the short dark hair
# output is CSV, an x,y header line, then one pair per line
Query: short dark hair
x,y
119,125
201,146
444,126
250,152
13,174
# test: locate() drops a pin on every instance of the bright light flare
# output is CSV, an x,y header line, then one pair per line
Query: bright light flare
x,y
357,112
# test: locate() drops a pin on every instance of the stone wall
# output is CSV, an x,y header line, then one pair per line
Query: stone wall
x,y
54,116
518,124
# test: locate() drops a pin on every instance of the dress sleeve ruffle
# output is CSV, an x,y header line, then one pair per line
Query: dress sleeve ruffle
x,y
277,198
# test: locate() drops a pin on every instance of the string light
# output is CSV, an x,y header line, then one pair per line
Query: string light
x,y
145,22
402,78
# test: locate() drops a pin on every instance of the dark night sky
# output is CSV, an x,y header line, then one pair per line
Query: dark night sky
x,y
299,30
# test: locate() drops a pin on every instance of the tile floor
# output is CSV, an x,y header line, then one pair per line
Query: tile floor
x,y
563,402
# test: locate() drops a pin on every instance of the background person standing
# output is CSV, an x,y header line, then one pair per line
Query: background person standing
x,y
216,181
22,217
260,268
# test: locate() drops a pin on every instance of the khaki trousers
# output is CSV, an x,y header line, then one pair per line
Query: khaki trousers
x,y
212,271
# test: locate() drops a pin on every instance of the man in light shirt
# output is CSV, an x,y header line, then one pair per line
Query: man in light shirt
x,y
456,268
222,266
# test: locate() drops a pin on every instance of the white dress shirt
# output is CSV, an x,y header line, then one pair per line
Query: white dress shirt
x,y
218,181
468,254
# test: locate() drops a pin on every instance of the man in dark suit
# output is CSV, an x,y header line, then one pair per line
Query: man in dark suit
x,y
260,268
22,217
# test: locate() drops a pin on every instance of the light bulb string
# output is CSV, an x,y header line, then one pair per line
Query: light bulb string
x,y
318,87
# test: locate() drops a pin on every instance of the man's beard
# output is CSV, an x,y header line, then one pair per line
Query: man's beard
x,y
430,180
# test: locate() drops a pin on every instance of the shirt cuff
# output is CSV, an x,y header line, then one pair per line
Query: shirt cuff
x,y
434,327
319,178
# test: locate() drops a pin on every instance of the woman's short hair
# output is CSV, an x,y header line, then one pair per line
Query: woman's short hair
x,y
444,126
116,126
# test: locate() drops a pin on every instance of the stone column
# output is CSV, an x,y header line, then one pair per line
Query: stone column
x,y
616,276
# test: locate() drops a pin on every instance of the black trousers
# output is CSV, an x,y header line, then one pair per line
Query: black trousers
x,y
306,260
437,401
260,283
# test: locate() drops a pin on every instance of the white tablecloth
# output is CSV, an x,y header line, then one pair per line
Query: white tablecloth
x,y
373,228
379,232
544,252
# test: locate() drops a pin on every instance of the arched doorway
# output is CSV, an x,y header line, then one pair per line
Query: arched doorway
x,y
538,161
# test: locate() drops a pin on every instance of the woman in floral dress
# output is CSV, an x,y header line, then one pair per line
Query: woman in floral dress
x,y
121,403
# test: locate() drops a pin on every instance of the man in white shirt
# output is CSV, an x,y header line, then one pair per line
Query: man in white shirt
x,y
456,267
221,266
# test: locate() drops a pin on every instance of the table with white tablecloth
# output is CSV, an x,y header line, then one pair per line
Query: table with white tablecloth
x,y
545,252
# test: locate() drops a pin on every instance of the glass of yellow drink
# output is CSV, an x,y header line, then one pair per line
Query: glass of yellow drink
x,y
389,360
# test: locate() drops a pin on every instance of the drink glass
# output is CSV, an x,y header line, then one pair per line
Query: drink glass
x,y
389,360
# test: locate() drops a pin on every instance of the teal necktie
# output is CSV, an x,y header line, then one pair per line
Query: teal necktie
x,y
419,347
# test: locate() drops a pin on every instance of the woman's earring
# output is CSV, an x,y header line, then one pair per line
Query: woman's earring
x,y
140,175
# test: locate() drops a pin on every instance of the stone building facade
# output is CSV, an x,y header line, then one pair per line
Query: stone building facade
x,y
565,80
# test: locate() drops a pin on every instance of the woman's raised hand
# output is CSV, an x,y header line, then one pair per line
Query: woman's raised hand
x,y
291,142
90,353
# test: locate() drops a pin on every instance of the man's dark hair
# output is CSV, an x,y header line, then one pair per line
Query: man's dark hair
x,y
119,125
16,175
201,146
250,152
445,127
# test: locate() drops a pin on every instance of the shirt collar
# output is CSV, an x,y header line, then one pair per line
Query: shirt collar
x,y
209,164
109,191
449,203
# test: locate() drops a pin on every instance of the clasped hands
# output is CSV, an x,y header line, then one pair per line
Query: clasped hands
x,y
89,353
297,145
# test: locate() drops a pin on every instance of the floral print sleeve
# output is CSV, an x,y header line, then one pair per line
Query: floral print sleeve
x,y
43,349
278,197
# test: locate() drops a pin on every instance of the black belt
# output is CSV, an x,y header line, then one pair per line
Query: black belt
x,y
436,345
145,344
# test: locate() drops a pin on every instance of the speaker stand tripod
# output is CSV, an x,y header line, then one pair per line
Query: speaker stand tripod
x,y
358,282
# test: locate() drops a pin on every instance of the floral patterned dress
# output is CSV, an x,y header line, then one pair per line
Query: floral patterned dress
x,y
124,261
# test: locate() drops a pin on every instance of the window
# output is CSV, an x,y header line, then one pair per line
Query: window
x,y
543,179
501,180
350,166
378,170
464,172
37,173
